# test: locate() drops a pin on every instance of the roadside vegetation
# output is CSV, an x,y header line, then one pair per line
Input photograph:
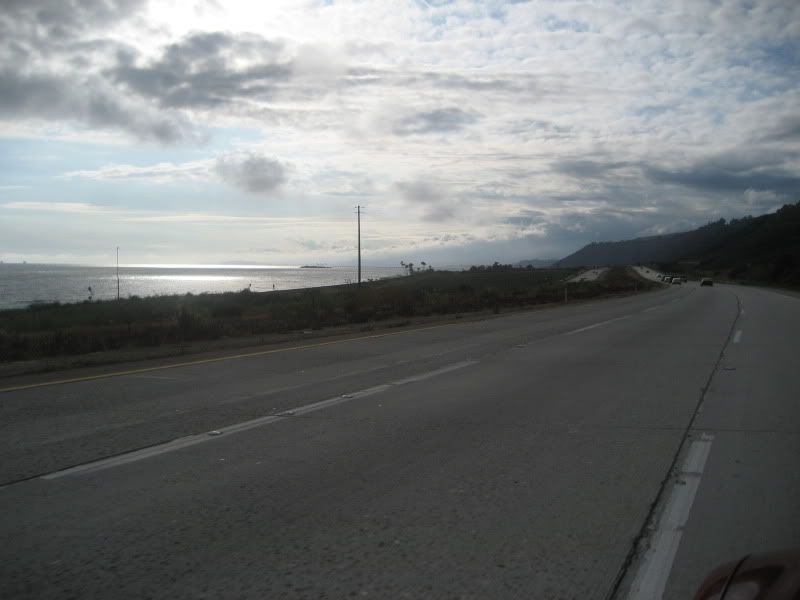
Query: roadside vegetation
x,y
49,330
754,250
763,250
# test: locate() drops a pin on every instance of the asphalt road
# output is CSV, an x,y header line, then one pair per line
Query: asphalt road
x,y
521,456
589,275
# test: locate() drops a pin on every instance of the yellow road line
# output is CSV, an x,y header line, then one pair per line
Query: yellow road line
x,y
211,360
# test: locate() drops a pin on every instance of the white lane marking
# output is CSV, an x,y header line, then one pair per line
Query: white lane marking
x,y
654,570
429,374
192,440
600,324
651,308
737,338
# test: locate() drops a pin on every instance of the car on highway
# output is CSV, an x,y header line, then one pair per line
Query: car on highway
x,y
706,281
666,279
676,281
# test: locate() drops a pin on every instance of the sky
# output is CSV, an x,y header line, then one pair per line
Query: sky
x,y
471,132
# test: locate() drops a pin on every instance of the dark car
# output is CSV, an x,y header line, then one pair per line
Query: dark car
x,y
707,281
770,576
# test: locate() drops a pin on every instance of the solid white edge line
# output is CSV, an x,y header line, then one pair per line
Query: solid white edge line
x,y
192,440
656,565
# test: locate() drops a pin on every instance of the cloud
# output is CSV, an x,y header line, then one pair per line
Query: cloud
x,y
160,172
88,101
440,120
787,128
206,70
712,177
59,207
53,23
253,173
587,168
761,200
438,205
45,75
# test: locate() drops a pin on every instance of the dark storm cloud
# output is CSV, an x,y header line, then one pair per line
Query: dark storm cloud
x,y
441,120
199,71
253,173
731,178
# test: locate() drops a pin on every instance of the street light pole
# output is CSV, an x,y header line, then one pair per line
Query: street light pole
x,y
359,244
117,272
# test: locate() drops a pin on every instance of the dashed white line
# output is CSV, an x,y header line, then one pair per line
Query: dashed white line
x,y
737,337
193,440
654,570
600,324
429,374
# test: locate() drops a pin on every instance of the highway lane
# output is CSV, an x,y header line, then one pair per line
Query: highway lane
x,y
54,427
646,272
514,456
750,491
589,275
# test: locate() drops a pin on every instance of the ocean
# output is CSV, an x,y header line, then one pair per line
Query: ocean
x,y
24,284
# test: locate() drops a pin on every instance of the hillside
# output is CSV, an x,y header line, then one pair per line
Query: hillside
x,y
764,249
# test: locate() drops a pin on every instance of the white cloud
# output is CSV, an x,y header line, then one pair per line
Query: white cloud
x,y
160,172
57,207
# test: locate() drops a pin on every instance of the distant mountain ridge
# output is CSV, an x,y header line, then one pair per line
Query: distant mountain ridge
x,y
765,248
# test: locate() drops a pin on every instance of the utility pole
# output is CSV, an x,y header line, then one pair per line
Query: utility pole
x,y
117,272
358,208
